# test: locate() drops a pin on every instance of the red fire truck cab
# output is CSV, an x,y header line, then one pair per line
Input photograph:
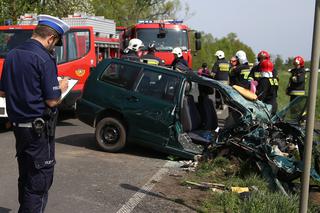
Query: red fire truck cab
x,y
166,35
89,40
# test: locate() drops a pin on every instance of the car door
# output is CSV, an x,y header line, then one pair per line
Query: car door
x,y
152,102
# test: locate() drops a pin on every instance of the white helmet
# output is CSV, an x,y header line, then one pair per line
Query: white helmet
x,y
220,54
177,51
242,57
135,44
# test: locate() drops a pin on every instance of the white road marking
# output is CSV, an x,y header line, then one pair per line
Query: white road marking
x,y
139,195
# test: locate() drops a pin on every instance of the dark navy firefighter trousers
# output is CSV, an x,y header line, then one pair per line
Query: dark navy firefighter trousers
x,y
36,160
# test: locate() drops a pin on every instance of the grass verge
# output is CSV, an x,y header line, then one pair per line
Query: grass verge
x,y
233,173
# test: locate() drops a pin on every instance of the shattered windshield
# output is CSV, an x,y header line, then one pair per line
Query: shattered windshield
x,y
294,111
12,38
164,42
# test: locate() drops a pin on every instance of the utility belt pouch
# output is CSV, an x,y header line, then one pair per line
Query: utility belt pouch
x,y
51,124
38,126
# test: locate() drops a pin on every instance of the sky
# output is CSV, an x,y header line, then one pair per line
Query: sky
x,y
281,27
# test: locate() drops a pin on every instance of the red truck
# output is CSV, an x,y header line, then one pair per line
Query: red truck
x,y
165,34
89,40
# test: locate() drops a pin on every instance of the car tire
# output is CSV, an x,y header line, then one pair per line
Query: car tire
x,y
110,134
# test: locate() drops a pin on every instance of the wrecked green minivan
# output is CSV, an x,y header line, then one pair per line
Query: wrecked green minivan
x,y
172,112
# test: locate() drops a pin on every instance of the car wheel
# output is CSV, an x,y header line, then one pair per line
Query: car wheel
x,y
110,134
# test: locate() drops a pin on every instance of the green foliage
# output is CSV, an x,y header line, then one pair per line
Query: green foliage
x,y
263,200
229,44
127,12
12,9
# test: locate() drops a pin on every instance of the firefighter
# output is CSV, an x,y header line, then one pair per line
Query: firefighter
x,y
204,71
221,68
241,72
255,73
150,57
132,51
178,62
297,80
267,88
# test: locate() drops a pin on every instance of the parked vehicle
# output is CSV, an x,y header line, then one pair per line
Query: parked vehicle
x,y
165,35
170,111
89,40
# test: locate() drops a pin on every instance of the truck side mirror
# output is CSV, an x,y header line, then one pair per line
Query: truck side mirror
x,y
197,35
198,44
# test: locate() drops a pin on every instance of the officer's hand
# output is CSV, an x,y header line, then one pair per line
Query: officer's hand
x,y
63,84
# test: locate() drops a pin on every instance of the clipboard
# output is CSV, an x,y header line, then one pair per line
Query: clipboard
x,y
3,108
71,83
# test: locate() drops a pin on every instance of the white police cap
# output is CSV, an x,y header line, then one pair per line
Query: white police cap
x,y
57,24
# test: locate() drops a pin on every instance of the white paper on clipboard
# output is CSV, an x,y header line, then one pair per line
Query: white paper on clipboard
x,y
71,84
3,111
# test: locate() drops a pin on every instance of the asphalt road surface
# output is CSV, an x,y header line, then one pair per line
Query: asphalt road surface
x,y
89,180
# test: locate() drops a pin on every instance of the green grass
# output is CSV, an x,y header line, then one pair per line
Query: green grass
x,y
231,173
284,99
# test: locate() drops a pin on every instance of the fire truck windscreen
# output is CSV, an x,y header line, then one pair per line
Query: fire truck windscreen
x,y
164,42
12,38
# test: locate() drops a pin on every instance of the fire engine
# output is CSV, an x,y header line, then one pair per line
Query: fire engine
x,y
89,40
166,35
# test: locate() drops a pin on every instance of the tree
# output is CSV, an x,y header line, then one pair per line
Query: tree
x,y
127,12
229,44
278,62
13,9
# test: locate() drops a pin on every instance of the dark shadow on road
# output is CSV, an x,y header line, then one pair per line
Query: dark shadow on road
x,y
88,141
65,123
175,200
4,210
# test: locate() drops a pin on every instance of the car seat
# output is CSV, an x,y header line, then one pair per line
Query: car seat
x,y
191,119
207,109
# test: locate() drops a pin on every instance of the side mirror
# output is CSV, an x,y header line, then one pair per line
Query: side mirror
x,y
198,44
197,35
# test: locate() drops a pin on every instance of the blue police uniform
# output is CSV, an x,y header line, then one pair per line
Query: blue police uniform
x,y
29,78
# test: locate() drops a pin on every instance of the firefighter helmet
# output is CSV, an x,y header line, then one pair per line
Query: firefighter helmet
x,y
177,51
298,60
241,56
220,54
135,44
266,66
263,55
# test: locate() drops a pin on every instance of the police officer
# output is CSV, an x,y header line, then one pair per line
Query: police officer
x,y
267,88
297,80
178,62
221,68
240,74
150,57
29,84
132,51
